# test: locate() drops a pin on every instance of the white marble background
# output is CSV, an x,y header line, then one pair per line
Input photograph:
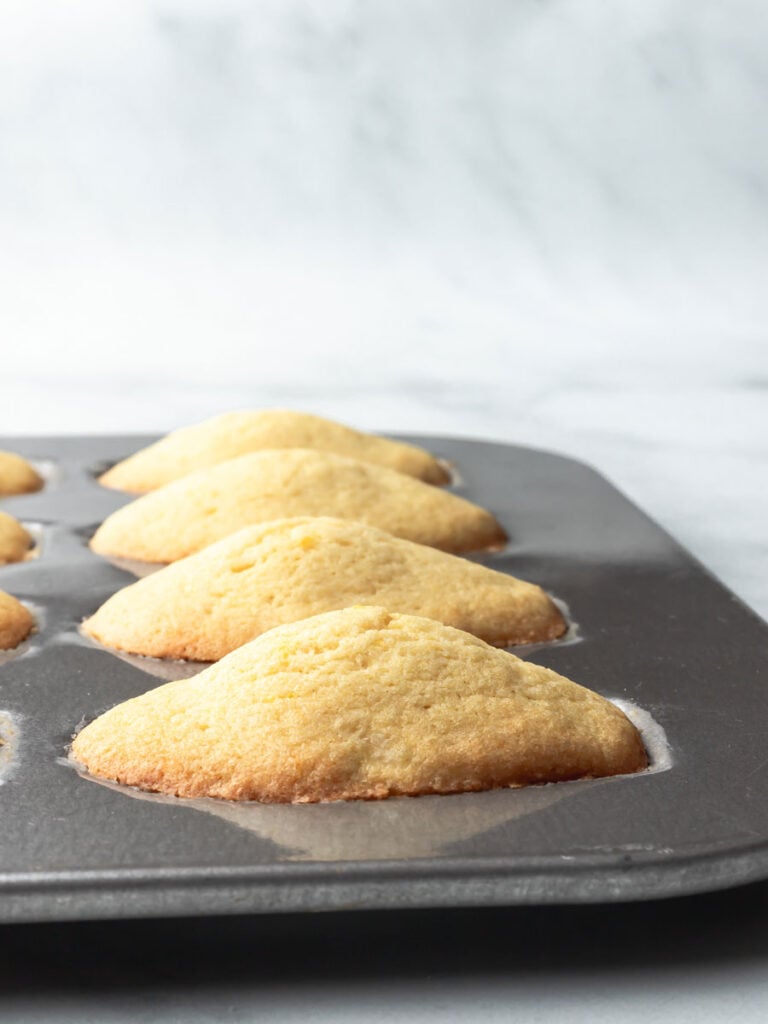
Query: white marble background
x,y
544,222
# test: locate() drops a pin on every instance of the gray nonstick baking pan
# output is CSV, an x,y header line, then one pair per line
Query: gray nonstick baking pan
x,y
650,628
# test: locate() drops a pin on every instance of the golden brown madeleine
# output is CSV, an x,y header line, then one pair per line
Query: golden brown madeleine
x,y
238,433
205,606
15,541
17,476
360,704
16,622
185,516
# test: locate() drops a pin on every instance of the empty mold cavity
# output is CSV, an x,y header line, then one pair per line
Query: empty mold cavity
x,y
9,741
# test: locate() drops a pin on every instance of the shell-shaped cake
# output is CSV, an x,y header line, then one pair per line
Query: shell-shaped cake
x,y
15,541
205,606
16,622
187,515
17,476
360,704
225,437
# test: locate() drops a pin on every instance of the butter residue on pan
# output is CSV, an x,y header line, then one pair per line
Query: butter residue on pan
x,y
9,742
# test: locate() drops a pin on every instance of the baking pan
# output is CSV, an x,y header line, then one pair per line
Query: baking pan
x,y
650,627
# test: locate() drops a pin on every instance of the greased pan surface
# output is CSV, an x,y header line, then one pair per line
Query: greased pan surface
x,y
653,627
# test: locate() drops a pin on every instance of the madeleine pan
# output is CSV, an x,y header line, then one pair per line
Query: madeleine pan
x,y
650,628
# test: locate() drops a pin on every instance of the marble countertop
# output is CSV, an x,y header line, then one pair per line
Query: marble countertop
x,y
544,224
